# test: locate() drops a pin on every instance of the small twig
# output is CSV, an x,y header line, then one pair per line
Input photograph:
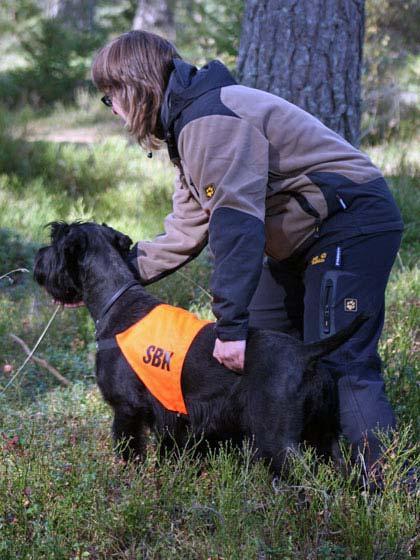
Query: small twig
x,y
12,272
38,342
40,361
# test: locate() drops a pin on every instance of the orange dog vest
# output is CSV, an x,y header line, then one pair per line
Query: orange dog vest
x,y
156,346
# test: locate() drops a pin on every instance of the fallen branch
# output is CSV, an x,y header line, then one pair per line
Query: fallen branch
x,y
41,362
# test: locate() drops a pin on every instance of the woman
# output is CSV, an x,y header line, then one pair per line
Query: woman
x,y
302,226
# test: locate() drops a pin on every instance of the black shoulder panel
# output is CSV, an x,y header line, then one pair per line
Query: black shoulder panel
x,y
207,104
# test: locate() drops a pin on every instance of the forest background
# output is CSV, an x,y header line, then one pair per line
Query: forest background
x,y
64,156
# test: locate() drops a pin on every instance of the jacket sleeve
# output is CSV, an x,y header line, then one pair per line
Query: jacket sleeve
x,y
186,232
227,161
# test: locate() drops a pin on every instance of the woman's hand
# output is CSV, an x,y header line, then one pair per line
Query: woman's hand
x,y
230,353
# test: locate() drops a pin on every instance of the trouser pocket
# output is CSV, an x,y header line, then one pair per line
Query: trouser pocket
x,y
326,311
327,299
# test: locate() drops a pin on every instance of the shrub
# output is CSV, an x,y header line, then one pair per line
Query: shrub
x,y
14,251
58,61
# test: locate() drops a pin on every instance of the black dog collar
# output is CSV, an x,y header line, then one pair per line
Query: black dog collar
x,y
115,297
108,343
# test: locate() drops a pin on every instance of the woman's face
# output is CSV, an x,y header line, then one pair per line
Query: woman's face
x,y
117,109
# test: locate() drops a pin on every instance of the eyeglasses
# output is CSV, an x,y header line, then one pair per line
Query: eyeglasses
x,y
106,100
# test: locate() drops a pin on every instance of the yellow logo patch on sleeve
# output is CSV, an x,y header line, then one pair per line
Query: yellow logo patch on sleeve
x,y
210,190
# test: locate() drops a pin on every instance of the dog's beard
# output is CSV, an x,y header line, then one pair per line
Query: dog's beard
x,y
66,297
62,292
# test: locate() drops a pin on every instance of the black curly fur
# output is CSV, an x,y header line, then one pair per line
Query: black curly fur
x,y
278,401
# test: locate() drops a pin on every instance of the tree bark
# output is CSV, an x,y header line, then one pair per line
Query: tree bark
x,y
155,16
310,53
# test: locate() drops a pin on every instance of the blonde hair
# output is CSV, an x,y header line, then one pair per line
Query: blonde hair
x,y
135,67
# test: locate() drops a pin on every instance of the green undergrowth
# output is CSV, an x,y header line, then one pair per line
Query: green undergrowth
x,y
63,495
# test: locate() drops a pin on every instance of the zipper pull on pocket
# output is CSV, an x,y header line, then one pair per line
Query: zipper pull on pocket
x,y
327,307
341,202
317,227
327,319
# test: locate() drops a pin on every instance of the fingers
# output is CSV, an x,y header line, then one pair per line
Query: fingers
x,y
230,353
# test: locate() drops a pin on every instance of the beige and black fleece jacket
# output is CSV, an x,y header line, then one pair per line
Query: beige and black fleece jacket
x,y
256,175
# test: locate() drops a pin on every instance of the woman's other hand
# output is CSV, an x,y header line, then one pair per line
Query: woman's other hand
x,y
230,353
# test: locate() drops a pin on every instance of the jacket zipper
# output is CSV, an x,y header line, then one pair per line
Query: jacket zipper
x,y
327,307
309,209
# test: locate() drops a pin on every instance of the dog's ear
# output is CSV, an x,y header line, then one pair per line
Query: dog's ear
x,y
120,241
123,243
58,230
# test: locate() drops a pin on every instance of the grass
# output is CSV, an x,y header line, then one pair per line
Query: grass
x,y
62,493
65,496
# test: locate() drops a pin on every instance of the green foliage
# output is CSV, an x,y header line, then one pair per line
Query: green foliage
x,y
396,21
14,252
405,187
15,16
399,344
100,180
209,29
115,17
58,61
75,171
55,57
391,77
398,161
62,495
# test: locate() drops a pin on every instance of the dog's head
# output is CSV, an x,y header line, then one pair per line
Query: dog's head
x,y
60,267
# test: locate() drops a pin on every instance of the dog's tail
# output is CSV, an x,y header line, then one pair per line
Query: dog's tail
x,y
316,350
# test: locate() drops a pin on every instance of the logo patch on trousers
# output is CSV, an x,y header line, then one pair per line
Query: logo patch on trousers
x,y
319,258
350,304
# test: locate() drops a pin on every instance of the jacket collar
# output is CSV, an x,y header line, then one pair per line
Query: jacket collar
x,y
187,83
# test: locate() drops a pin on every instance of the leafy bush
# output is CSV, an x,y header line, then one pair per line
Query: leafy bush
x,y
73,170
209,29
391,81
14,251
58,62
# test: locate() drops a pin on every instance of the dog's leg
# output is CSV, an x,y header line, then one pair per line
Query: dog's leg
x,y
282,456
129,432
278,434
278,455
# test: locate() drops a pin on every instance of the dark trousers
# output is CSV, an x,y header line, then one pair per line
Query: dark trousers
x,y
317,294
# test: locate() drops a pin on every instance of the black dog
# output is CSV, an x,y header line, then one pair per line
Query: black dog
x,y
279,401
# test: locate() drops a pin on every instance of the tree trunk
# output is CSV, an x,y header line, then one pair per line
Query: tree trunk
x,y
76,14
308,52
155,16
